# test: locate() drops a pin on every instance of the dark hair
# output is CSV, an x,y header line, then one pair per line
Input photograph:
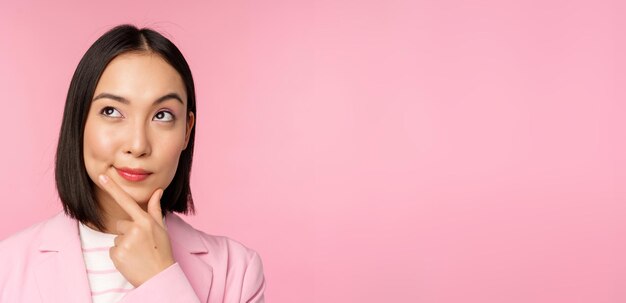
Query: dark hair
x,y
76,190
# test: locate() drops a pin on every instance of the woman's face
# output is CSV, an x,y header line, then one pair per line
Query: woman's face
x,y
135,121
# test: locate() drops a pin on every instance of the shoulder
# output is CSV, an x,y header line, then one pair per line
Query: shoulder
x,y
20,252
229,258
22,241
221,246
234,261
217,245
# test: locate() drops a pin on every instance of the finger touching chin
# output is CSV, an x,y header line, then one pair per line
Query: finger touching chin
x,y
140,194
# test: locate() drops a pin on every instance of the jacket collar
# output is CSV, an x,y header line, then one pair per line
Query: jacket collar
x,y
62,229
60,242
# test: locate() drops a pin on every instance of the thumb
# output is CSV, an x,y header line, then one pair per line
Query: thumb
x,y
154,207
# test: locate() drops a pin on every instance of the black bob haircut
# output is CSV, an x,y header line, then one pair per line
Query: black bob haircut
x,y
75,188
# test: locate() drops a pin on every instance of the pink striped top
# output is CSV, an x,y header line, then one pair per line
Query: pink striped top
x,y
106,282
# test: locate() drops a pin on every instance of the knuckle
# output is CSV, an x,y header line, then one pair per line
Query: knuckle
x,y
123,252
135,230
144,222
117,254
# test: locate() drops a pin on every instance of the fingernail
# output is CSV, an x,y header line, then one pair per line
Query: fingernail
x,y
103,179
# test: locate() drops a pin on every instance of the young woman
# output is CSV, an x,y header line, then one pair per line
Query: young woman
x,y
122,172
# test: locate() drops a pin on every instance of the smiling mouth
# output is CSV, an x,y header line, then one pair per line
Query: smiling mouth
x,y
134,175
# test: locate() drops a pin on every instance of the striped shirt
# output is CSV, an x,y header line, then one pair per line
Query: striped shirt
x,y
106,282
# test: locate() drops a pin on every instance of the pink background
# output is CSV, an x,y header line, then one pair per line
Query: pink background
x,y
371,151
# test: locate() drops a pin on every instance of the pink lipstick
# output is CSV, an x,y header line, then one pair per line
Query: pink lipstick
x,y
133,174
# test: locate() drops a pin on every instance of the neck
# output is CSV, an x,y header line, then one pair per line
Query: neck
x,y
112,213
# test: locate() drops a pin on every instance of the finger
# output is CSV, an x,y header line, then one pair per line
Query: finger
x,y
122,226
112,250
154,206
122,198
117,241
114,254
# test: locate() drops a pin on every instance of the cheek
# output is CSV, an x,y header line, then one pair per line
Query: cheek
x,y
98,147
169,153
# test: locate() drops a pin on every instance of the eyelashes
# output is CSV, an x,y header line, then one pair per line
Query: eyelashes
x,y
109,111
164,112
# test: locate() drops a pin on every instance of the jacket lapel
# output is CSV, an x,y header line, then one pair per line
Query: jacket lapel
x,y
61,274
189,251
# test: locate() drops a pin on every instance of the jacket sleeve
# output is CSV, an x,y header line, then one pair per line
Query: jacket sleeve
x,y
253,287
170,285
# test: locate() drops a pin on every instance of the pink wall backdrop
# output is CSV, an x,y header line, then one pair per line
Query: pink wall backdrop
x,y
371,151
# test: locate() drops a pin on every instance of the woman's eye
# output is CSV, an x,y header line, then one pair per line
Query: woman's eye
x,y
108,112
163,114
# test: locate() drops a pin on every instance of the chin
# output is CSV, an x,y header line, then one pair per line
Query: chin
x,y
140,196
139,191
143,199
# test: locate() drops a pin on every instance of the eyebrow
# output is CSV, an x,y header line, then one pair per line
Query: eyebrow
x,y
125,101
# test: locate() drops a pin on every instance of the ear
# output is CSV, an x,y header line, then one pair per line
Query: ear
x,y
190,124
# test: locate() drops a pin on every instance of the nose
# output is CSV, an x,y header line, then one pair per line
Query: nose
x,y
138,141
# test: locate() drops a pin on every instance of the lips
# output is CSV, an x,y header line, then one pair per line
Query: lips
x,y
133,174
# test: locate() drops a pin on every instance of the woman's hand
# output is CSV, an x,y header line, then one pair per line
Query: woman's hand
x,y
143,248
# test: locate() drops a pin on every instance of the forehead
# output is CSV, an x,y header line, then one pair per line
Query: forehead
x,y
140,77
